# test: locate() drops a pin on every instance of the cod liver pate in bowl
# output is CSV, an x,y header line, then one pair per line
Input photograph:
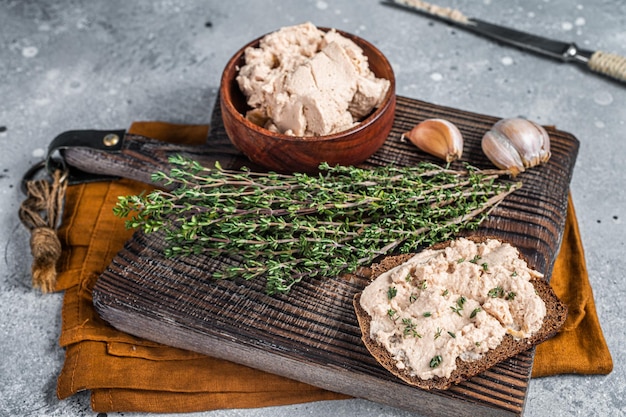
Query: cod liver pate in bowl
x,y
303,95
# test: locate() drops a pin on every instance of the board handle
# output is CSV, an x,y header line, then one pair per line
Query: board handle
x,y
609,64
140,157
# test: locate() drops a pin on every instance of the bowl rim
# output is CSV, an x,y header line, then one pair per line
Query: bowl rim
x,y
369,120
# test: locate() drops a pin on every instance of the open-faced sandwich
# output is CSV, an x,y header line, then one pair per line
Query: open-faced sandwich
x,y
452,311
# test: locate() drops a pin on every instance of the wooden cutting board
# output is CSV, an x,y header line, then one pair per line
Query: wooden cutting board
x,y
312,334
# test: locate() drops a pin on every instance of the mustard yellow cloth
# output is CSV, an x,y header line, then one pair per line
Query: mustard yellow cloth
x,y
126,373
580,347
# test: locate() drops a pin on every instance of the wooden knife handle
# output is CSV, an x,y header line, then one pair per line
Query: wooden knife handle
x,y
609,64
140,157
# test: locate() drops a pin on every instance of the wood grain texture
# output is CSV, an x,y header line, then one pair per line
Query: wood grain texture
x,y
312,334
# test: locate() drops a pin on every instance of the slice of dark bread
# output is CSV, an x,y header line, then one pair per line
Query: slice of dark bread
x,y
556,313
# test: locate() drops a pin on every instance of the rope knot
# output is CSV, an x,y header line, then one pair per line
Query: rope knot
x,y
40,213
46,249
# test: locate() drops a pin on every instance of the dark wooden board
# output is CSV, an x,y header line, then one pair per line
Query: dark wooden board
x,y
312,334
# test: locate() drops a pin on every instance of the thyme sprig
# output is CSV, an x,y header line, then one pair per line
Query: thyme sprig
x,y
287,227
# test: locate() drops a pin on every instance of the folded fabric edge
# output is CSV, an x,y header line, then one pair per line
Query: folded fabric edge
x,y
120,400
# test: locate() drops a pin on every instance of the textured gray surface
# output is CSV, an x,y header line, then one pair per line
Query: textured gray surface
x,y
73,64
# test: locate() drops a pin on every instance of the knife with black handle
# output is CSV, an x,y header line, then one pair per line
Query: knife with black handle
x,y
609,64
96,155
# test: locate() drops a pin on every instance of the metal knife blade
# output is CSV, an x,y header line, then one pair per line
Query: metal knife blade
x,y
605,63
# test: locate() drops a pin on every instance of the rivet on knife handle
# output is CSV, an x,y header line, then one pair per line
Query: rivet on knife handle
x,y
609,64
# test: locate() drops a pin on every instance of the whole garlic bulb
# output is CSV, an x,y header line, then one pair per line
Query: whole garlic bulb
x,y
516,144
438,137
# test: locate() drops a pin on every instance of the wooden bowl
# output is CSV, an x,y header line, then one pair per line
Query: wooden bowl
x,y
284,153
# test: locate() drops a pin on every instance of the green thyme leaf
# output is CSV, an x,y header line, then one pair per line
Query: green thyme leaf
x,y
410,328
457,309
461,301
496,292
435,361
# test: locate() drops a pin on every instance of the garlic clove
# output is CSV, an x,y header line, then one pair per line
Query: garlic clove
x,y
544,153
501,152
516,144
437,137
528,138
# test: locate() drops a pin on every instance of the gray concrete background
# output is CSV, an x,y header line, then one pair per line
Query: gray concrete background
x,y
76,64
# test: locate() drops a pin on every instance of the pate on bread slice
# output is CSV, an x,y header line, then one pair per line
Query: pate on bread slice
x,y
450,312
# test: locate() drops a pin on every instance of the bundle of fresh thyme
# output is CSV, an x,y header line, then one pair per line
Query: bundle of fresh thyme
x,y
287,227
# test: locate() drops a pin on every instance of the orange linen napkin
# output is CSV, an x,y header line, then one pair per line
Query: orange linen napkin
x,y
579,348
126,373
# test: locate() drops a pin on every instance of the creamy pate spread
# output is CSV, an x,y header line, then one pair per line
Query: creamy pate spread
x,y
303,81
459,301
